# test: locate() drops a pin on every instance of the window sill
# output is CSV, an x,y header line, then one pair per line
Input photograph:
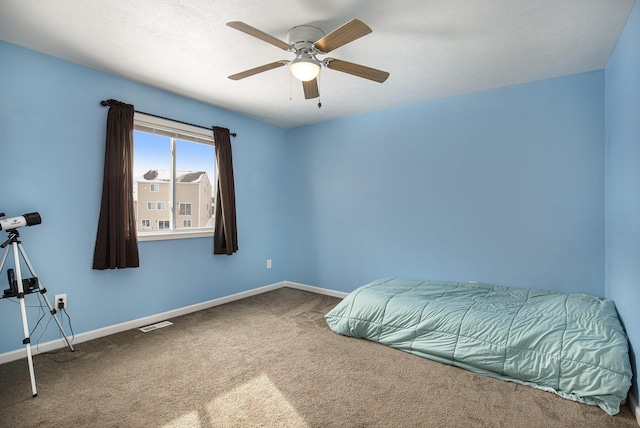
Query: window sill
x,y
163,236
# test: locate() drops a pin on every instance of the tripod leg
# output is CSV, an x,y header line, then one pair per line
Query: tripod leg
x,y
43,292
25,326
4,258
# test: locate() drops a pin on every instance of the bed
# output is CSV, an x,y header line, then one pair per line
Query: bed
x,y
570,344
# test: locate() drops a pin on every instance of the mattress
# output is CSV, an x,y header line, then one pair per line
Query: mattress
x,y
570,344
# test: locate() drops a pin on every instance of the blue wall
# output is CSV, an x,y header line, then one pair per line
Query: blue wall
x,y
52,131
622,226
505,186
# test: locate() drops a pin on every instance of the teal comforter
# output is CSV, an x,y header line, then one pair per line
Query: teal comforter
x,y
569,344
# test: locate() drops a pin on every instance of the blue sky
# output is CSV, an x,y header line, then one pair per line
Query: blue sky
x,y
153,152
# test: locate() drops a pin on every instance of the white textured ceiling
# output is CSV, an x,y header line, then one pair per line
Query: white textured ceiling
x,y
432,49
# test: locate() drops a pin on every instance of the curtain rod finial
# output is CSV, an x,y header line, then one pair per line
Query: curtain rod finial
x,y
104,103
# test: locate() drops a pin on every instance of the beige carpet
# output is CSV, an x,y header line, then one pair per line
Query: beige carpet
x,y
270,361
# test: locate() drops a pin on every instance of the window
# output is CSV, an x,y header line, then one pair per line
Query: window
x,y
174,176
156,205
185,209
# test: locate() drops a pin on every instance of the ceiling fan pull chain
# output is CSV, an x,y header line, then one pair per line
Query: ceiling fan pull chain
x,y
319,87
290,87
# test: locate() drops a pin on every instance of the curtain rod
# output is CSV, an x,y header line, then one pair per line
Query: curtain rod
x,y
233,134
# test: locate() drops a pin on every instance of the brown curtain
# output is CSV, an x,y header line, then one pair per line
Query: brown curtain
x,y
225,239
116,241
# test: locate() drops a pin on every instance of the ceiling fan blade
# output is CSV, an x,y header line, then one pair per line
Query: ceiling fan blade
x,y
349,32
248,29
310,89
356,70
257,70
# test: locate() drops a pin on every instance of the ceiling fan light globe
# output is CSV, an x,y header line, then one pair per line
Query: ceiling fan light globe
x,y
304,70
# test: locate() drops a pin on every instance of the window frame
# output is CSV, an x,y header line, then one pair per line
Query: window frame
x,y
179,131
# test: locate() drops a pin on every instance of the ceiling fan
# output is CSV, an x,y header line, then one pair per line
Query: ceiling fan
x,y
306,42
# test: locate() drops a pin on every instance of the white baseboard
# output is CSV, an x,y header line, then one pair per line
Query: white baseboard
x,y
633,403
141,322
316,290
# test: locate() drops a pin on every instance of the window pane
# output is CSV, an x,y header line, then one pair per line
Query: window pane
x,y
194,184
151,168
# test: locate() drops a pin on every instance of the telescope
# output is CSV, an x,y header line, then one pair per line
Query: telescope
x,y
20,287
29,219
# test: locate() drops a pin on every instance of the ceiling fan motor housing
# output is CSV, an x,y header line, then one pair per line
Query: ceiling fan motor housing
x,y
303,37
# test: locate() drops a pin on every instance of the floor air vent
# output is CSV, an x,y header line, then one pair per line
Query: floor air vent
x,y
155,326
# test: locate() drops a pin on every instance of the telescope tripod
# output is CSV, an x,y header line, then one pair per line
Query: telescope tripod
x,y
17,289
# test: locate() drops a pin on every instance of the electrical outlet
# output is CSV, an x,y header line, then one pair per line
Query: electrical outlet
x,y
269,264
60,301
